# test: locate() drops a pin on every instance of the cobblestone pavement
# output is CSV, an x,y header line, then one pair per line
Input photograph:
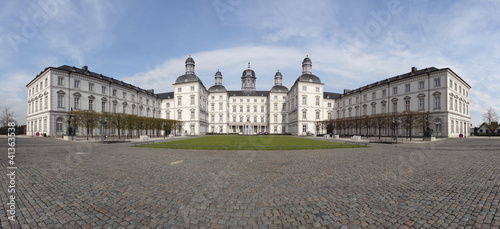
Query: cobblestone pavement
x,y
453,183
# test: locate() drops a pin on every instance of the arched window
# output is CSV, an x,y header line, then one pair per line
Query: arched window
x,y
59,124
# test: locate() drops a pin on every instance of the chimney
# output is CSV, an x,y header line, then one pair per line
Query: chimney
x,y
85,68
413,69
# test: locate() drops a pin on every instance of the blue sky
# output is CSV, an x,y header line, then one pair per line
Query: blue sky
x,y
351,43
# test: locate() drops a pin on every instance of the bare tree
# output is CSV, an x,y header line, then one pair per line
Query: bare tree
x,y
87,119
490,116
6,117
379,123
408,121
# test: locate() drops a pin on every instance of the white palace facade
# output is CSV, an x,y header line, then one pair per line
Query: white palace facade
x,y
295,110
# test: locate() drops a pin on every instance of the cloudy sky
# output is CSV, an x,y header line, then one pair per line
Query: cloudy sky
x,y
351,43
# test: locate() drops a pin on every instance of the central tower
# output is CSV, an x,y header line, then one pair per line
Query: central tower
x,y
248,79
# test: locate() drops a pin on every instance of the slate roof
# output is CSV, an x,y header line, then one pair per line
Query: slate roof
x,y
166,95
217,88
308,78
279,88
186,78
248,93
395,78
331,95
97,76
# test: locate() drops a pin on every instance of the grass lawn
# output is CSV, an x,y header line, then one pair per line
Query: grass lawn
x,y
261,142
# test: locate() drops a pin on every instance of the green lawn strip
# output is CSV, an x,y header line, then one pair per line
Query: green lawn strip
x,y
270,142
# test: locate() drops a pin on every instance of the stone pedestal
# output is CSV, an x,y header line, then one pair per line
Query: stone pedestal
x,y
69,138
430,139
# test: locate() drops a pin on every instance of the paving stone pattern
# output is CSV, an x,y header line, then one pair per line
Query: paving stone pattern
x,y
452,183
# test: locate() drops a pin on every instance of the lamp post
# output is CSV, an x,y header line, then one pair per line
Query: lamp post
x,y
70,130
395,123
103,123
164,129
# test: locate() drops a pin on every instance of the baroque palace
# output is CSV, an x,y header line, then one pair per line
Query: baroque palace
x,y
441,92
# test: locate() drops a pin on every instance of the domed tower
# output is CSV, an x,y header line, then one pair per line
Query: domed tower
x,y
278,86
189,65
278,78
307,75
218,87
248,79
218,78
189,76
307,65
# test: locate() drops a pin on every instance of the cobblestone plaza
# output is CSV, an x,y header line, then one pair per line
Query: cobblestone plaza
x,y
453,183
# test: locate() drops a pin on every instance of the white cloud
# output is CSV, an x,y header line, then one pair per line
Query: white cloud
x,y
14,94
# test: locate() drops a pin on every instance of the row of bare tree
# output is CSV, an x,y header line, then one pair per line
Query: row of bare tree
x,y
123,122
407,120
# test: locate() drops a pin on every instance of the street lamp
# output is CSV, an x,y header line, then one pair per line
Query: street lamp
x,y
103,123
164,129
70,130
395,123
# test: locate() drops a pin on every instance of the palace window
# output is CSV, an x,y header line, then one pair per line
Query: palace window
x,y
60,81
451,103
59,125
77,84
421,104
437,82
91,86
60,101
437,102
421,85
91,104
76,102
